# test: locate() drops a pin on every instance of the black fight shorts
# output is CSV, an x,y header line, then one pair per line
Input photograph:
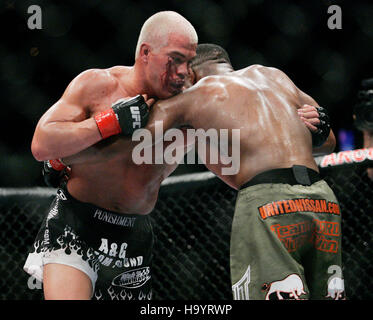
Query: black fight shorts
x,y
114,250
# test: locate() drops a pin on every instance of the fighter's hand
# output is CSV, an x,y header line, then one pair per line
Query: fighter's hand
x,y
55,173
125,116
310,117
148,101
317,121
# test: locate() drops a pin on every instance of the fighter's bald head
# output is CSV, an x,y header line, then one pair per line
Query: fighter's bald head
x,y
156,31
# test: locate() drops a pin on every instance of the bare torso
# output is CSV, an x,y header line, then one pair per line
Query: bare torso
x,y
117,184
262,102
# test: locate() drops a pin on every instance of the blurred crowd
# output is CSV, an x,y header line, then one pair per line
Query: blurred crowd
x,y
36,65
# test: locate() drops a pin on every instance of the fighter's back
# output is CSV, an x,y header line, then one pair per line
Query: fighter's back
x,y
262,102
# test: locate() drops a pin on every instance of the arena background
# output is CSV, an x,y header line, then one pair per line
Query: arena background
x,y
37,65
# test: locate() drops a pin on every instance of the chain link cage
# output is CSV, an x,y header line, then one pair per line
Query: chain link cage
x,y
192,223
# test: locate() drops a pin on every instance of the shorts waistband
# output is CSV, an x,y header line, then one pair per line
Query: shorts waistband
x,y
296,175
88,211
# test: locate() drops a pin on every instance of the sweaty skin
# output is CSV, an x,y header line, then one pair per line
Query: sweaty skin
x,y
68,127
262,102
134,188
117,184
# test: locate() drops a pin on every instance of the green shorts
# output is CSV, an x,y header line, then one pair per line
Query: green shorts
x,y
286,238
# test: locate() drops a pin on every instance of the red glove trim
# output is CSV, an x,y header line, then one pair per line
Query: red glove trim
x,y
57,164
107,123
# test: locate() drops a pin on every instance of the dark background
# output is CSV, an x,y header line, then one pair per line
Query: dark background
x,y
37,65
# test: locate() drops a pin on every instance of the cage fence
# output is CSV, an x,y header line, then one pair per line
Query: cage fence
x,y
192,224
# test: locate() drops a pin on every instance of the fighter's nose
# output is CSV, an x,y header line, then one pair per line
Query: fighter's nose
x,y
182,70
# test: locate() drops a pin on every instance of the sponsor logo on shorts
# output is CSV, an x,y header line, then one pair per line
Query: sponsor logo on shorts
x,y
133,278
53,212
323,235
290,288
61,195
240,289
282,207
114,218
114,255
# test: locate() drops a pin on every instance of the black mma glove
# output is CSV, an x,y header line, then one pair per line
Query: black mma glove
x,y
323,128
54,172
125,116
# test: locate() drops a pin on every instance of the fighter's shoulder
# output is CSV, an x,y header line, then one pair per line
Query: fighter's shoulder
x,y
119,70
212,85
219,81
261,69
96,78
90,84
270,74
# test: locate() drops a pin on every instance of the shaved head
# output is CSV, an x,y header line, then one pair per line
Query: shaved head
x,y
157,30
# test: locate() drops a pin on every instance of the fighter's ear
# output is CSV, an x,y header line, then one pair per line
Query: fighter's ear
x,y
144,52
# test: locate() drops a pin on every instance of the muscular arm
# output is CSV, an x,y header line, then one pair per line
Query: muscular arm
x,y
170,113
174,112
67,127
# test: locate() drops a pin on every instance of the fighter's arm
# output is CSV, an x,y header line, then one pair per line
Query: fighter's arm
x,y
170,113
67,127
329,145
71,126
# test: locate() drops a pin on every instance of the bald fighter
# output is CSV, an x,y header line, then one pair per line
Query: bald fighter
x,y
96,239
286,232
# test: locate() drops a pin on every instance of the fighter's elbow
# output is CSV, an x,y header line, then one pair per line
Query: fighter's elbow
x,y
38,148
38,151
41,147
